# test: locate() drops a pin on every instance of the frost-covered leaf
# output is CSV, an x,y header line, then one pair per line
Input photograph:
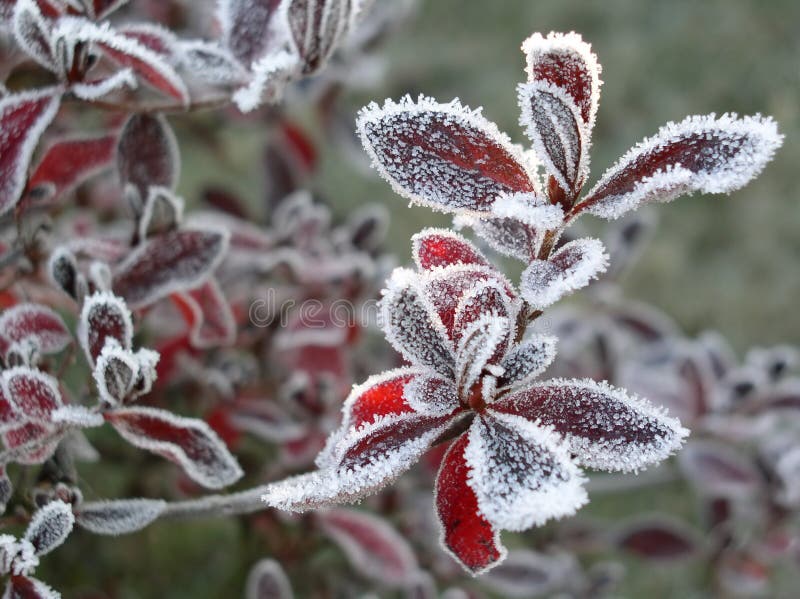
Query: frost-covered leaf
x,y
247,27
485,299
568,269
186,441
526,574
23,119
373,548
443,156
411,324
317,27
118,517
442,247
209,315
604,427
508,236
34,322
104,316
94,89
148,360
31,393
25,587
718,470
701,153
50,526
528,208
210,62
154,37
567,63
481,347
68,162
32,33
465,532
63,270
427,393
553,123
147,154
526,361
657,538
163,212
169,263
115,373
6,489
76,416
269,77
267,580
520,472
32,442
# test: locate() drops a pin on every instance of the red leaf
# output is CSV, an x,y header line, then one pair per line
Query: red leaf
x,y
68,162
146,64
442,155
33,321
247,26
658,539
372,547
23,119
209,314
169,263
467,535
317,27
31,393
147,154
441,247
39,441
23,587
186,441
33,33
104,316
153,37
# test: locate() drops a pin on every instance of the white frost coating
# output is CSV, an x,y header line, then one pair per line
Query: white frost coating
x,y
507,236
99,303
411,324
267,579
12,182
758,138
371,545
17,557
76,415
94,90
50,526
484,298
115,372
431,395
209,61
524,477
118,517
599,449
444,199
161,202
481,341
568,48
148,360
570,268
32,33
30,392
270,74
560,139
527,360
528,209
213,466
52,335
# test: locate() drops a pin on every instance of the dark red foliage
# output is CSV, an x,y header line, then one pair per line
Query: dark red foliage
x,y
147,153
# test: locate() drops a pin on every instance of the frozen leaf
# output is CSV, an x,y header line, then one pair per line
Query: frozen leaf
x,y
530,209
521,473
147,154
39,442
32,33
604,427
247,26
169,263
567,63
657,538
430,394
31,393
163,211
209,315
553,123
527,574
118,517
24,587
104,316
701,153
23,119
270,75
411,324
441,247
68,162
34,322
373,548
485,299
186,441
568,269
91,90
63,269
154,37
482,345
719,470
115,373
526,361
6,489
443,156
465,532
317,27
210,62
508,236
267,580
50,526
148,360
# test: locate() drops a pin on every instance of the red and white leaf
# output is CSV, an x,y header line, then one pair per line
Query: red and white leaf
x,y
718,470
701,153
528,208
568,269
188,442
118,517
657,538
267,580
91,90
32,442
443,156
525,574
69,162
484,299
269,76
604,427
115,373
25,587
521,473
248,27
34,322
432,248
23,119
104,316
31,393
317,27
209,315
509,236
169,263
50,526
373,547
33,33
152,36
527,360
162,212
428,393
465,532
147,154
481,347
